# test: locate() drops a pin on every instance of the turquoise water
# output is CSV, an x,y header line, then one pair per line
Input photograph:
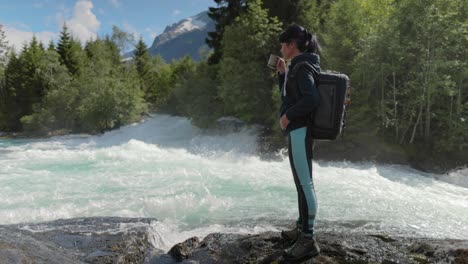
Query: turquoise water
x,y
196,183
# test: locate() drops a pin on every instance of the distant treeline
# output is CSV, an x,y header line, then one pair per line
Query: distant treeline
x,y
407,60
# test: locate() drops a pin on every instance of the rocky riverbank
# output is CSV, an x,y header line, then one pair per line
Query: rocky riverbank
x,y
135,240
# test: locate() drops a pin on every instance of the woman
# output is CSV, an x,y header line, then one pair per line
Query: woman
x,y
300,97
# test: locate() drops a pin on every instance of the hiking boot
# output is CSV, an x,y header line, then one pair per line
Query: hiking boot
x,y
305,247
291,235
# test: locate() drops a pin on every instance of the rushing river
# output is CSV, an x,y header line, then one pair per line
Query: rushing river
x,y
196,183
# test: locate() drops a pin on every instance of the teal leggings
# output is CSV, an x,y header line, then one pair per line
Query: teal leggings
x,y
300,159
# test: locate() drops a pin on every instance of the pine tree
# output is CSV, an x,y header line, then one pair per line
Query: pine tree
x,y
9,109
285,10
113,51
308,13
23,84
51,46
142,58
223,15
69,51
33,88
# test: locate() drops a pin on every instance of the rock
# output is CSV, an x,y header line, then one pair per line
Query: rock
x,y
88,240
124,240
422,248
183,250
336,248
461,256
384,238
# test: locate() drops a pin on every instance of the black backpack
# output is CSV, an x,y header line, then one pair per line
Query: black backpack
x,y
328,120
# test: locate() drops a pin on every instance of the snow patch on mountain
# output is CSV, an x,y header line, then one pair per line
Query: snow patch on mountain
x,y
186,37
197,22
189,25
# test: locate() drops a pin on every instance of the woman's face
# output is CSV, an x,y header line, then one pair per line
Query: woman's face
x,y
288,50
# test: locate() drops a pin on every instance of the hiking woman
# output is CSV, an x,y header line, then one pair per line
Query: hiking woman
x,y
299,99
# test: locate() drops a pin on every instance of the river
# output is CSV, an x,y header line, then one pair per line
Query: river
x,y
196,183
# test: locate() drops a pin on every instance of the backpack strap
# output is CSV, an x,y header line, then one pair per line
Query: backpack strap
x,y
306,64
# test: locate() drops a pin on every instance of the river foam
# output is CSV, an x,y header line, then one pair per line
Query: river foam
x,y
196,183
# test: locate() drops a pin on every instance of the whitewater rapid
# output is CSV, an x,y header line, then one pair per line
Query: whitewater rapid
x,y
195,183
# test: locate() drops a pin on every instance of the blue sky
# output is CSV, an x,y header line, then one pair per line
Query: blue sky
x,y
21,19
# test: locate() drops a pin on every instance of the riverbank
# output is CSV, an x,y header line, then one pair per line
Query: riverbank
x,y
370,148
136,240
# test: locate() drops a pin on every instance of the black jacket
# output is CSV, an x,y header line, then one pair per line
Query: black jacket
x,y
302,96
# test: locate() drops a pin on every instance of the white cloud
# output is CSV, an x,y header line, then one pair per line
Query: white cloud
x,y
84,23
115,3
19,25
17,38
176,12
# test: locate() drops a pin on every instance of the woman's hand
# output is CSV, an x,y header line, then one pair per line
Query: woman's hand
x,y
284,122
281,66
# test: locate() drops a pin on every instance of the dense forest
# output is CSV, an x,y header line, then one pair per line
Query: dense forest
x,y
407,60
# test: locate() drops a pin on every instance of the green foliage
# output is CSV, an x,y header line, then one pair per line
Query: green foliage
x,y
223,15
157,82
412,70
342,35
285,10
142,59
70,51
56,109
246,84
308,13
109,103
110,93
122,39
23,85
163,79
195,95
42,92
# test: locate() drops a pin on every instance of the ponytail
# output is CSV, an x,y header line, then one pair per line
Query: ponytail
x,y
306,42
312,45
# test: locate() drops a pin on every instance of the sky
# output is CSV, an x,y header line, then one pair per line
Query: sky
x,y
87,19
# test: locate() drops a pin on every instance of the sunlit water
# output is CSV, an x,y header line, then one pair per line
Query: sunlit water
x,y
195,184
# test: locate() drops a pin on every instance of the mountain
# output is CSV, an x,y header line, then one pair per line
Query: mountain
x,y
186,37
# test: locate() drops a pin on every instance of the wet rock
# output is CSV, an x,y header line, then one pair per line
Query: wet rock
x,y
123,240
335,248
422,248
183,250
461,256
80,240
